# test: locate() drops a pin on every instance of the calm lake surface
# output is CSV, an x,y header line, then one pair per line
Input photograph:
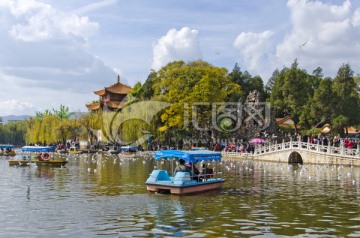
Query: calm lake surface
x,y
105,196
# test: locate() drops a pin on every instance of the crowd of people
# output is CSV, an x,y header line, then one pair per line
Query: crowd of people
x,y
336,141
239,147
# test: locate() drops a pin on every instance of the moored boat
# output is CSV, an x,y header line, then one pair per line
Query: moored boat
x,y
184,182
74,150
39,155
7,150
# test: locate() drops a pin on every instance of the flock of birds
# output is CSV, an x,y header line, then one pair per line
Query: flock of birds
x,y
305,171
232,167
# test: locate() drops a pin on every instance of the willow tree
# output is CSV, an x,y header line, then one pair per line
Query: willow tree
x,y
133,124
13,133
42,130
48,127
90,122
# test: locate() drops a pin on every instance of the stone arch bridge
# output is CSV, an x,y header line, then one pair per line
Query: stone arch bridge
x,y
303,152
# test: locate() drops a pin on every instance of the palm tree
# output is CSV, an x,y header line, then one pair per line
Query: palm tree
x,y
63,112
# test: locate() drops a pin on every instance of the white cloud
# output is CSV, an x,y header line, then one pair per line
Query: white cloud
x,y
331,33
320,35
176,45
38,21
253,47
356,18
94,6
45,59
15,107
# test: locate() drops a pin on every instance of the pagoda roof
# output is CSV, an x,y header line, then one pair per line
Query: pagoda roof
x,y
114,104
117,88
100,92
93,106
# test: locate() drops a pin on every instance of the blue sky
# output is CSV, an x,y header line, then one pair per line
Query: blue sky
x,y
59,52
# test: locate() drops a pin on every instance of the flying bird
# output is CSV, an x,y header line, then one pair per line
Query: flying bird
x,y
303,44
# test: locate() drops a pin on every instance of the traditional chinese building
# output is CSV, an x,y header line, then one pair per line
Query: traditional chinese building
x,y
110,98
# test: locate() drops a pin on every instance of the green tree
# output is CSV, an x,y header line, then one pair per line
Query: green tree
x,y
347,98
318,72
291,93
242,80
322,104
13,133
135,92
271,82
256,83
194,85
63,112
146,92
89,123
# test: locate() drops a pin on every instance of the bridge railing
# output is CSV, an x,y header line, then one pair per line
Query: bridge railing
x,y
298,145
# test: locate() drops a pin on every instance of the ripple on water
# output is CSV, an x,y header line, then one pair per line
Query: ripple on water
x,y
107,197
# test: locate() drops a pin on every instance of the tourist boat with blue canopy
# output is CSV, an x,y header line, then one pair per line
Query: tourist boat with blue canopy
x,y
7,150
38,149
188,181
39,155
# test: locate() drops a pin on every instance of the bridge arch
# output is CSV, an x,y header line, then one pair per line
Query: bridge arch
x,y
295,157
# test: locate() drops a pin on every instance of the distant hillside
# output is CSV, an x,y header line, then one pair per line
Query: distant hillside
x,y
5,119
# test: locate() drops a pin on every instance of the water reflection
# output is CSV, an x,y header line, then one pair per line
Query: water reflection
x,y
99,194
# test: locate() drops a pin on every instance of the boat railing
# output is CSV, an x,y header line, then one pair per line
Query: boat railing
x,y
207,176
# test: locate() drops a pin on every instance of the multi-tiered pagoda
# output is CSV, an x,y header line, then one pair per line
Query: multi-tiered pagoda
x,y
110,98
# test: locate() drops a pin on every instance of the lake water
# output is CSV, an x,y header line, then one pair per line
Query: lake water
x,y
97,195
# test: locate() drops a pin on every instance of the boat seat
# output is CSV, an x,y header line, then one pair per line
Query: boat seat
x,y
182,178
158,175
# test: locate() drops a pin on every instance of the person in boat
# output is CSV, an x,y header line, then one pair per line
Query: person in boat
x,y
181,167
207,172
194,171
39,157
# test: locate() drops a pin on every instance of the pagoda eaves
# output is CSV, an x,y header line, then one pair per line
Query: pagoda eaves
x,y
113,97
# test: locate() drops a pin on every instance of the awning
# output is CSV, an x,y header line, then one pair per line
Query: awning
x,y
38,149
188,155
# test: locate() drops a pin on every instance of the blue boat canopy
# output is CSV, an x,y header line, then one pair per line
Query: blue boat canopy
x,y
6,146
38,149
188,155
